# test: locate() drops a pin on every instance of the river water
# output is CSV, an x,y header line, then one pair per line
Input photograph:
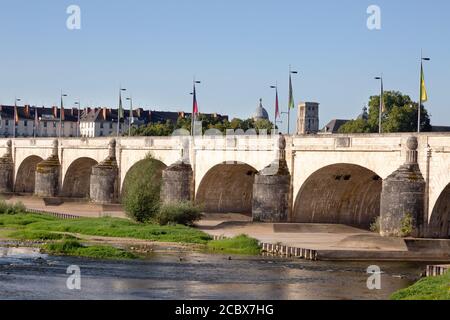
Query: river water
x,y
192,275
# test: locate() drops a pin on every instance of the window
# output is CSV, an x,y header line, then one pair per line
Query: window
x,y
54,124
45,125
25,123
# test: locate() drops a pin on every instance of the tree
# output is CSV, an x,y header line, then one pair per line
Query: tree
x,y
141,195
400,116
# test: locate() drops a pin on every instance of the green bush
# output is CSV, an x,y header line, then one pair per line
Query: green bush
x,y
184,213
12,209
407,225
376,225
141,198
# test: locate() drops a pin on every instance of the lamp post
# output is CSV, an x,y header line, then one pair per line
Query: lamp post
x,y
78,104
419,109
61,114
131,116
194,106
16,116
380,130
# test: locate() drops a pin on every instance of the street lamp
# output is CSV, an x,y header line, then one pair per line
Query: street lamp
x,y
78,104
380,130
419,109
61,113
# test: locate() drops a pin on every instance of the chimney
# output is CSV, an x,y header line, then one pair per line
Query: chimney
x,y
55,111
105,114
139,111
27,111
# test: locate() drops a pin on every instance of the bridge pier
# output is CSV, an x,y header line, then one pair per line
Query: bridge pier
x,y
271,189
177,183
403,198
7,170
104,179
47,175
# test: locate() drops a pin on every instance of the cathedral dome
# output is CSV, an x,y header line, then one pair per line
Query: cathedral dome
x,y
260,112
364,115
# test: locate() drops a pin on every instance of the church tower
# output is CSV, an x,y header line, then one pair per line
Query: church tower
x,y
308,118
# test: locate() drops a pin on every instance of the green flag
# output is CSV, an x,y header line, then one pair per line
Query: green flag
x,y
291,94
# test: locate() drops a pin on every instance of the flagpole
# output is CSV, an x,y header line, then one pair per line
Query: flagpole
x,y
194,106
16,116
34,126
291,98
131,116
119,114
422,84
419,109
277,111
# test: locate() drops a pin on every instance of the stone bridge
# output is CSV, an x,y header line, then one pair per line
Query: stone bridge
x,y
348,179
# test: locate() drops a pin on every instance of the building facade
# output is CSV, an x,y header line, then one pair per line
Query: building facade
x,y
31,121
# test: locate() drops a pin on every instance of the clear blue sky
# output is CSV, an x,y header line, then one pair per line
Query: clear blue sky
x,y
237,48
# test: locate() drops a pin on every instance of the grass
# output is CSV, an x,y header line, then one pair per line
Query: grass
x,y
60,234
40,235
431,288
106,227
241,245
75,248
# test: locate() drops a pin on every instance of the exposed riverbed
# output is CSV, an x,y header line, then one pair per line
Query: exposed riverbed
x,y
26,274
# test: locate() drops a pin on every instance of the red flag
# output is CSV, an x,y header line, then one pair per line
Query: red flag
x,y
277,107
62,114
195,105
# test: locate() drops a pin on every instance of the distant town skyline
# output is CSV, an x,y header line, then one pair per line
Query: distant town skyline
x,y
237,49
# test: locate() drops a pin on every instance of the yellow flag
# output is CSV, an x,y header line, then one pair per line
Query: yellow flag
x,y
423,88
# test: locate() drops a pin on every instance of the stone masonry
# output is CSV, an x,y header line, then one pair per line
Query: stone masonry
x,y
403,197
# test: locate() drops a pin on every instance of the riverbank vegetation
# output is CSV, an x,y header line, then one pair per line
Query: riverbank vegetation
x,y
62,237
242,245
75,248
430,288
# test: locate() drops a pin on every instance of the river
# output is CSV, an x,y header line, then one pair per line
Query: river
x,y
192,275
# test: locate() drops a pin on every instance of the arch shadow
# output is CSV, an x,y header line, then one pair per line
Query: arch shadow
x,y
77,181
227,188
439,226
340,194
26,175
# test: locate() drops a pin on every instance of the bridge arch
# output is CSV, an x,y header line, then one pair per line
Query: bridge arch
x,y
26,175
339,194
77,180
440,218
148,168
227,188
